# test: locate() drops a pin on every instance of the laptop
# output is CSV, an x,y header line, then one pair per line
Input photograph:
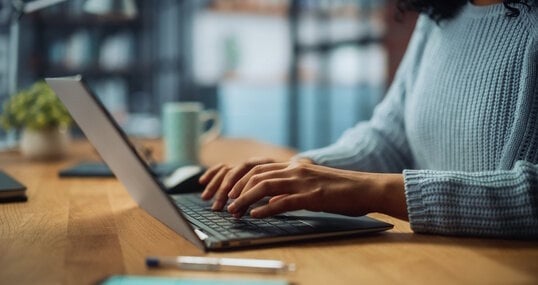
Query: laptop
x,y
186,213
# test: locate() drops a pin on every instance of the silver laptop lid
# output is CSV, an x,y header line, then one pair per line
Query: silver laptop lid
x,y
119,154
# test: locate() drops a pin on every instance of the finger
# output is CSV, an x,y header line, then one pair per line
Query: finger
x,y
257,170
276,198
237,173
283,204
221,195
214,183
229,180
267,187
218,202
278,171
210,173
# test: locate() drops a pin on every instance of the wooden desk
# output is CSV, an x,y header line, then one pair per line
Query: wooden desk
x,y
78,231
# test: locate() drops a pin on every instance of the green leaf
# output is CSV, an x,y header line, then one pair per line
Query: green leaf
x,y
36,107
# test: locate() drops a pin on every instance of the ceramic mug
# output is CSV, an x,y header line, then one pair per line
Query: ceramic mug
x,y
183,130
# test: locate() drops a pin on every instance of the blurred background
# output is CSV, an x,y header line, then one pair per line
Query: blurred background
x,y
289,72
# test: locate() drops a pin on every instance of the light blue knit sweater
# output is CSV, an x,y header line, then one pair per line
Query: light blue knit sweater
x,y
460,121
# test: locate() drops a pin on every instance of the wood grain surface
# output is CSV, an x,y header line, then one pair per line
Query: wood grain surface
x,y
82,230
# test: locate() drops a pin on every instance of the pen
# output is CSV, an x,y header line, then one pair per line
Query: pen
x,y
219,264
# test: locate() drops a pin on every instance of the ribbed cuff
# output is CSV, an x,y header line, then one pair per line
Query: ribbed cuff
x,y
416,209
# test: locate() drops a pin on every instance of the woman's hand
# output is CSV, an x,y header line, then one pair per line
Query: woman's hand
x,y
220,179
297,185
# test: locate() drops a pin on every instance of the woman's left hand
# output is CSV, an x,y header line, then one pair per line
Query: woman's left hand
x,y
296,186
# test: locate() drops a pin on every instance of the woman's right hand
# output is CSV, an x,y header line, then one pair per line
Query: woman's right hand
x,y
221,178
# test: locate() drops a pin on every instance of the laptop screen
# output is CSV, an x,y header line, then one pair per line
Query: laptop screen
x,y
119,154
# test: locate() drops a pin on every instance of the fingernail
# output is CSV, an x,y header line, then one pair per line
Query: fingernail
x,y
232,207
253,213
204,195
217,205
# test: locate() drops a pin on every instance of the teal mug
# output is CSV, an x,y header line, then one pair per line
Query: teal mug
x,y
183,130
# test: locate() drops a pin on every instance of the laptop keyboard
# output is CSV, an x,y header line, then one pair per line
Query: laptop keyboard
x,y
224,226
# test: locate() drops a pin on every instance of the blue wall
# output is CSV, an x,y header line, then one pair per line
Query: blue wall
x,y
260,112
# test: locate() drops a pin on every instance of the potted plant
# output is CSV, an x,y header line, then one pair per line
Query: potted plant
x,y
43,120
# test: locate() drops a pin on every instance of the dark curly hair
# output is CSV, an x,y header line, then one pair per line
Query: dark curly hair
x,y
442,9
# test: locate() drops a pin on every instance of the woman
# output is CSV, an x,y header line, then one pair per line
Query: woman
x,y
453,147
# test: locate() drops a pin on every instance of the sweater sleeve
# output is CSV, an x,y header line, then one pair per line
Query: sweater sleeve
x,y
380,144
500,203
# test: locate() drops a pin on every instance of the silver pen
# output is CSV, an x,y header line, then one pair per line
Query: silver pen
x,y
218,264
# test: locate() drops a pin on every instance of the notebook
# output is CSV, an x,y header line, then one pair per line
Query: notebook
x,y
186,213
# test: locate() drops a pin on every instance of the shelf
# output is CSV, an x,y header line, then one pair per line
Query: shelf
x,y
85,20
96,71
249,7
328,46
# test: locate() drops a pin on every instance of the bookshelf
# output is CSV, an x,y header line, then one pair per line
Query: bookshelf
x,y
156,59
104,50
114,54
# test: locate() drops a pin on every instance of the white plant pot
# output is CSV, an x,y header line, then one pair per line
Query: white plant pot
x,y
46,144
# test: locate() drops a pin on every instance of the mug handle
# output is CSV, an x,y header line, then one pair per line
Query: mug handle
x,y
214,131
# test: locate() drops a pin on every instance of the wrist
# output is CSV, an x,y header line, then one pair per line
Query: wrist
x,y
391,196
